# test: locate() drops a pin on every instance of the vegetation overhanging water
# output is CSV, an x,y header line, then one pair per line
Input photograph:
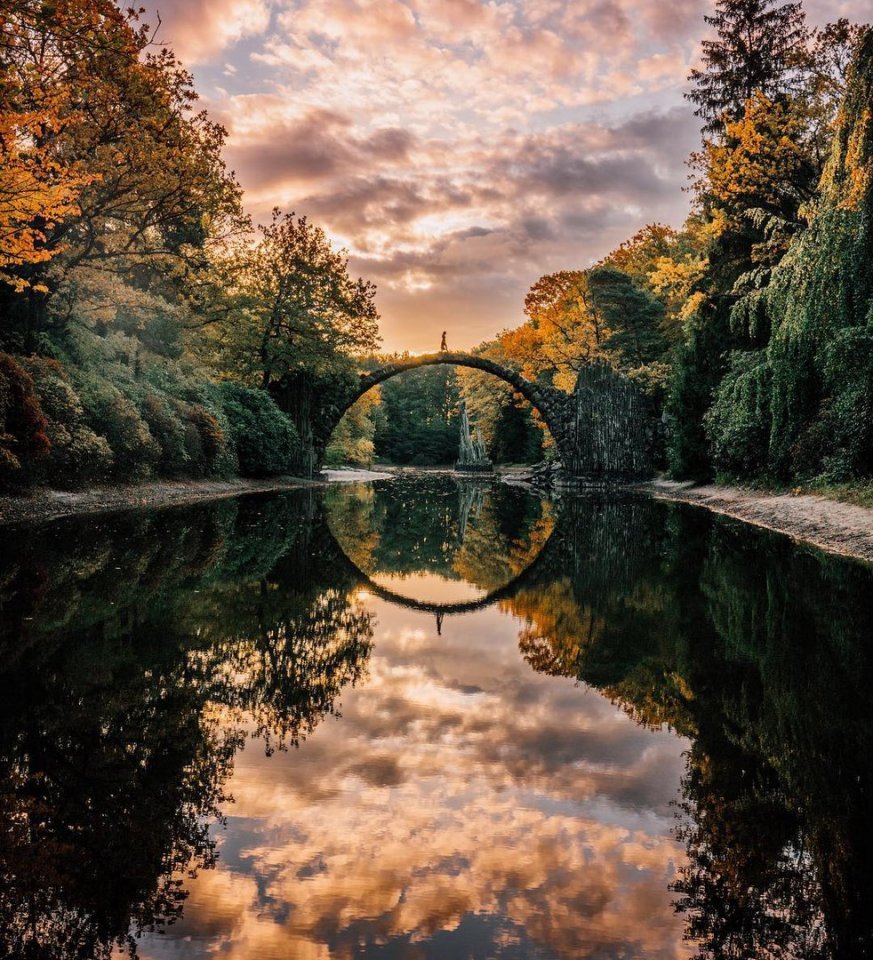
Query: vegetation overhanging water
x,y
432,718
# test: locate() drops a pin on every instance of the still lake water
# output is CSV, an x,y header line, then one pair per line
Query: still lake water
x,y
427,719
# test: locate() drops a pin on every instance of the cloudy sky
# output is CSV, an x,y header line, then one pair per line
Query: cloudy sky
x,y
457,148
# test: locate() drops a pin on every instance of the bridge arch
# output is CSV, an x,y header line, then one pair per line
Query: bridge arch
x,y
603,431
550,403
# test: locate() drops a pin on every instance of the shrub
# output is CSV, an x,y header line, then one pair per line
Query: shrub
x,y
77,453
265,440
205,440
114,416
166,423
23,438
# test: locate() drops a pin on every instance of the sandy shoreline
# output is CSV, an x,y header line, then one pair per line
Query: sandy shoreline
x,y
841,528
44,505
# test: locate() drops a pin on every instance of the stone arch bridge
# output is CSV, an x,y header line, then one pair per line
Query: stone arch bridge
x,y
603,429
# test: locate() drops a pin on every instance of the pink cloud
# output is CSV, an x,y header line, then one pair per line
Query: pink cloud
x,y
458,148
200,29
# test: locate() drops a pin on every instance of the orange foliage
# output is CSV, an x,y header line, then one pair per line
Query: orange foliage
x,y
22,423
558,632
37,190
763,161
563,332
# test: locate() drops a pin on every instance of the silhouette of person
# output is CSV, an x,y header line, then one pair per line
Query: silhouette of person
x,y
443,345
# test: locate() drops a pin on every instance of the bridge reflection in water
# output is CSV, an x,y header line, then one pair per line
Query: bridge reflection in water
x,y
447,537
465,804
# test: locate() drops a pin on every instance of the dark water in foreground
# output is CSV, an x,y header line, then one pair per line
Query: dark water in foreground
x,y
425,720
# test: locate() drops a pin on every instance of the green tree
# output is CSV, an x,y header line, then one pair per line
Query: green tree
x,y
296,310
418,420
635,317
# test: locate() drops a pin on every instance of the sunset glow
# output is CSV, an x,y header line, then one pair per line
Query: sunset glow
x,y
459,149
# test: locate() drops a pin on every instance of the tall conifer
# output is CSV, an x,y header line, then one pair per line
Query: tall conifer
x,y
760,46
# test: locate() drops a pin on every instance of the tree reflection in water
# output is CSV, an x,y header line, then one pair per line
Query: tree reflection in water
x,y
759,652
141,652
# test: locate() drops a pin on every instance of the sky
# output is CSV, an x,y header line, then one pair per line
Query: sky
x,y
458,149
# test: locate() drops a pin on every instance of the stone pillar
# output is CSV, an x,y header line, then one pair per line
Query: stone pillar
x,y
610,428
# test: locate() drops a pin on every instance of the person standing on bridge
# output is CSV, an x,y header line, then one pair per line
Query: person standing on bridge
x,y
443,345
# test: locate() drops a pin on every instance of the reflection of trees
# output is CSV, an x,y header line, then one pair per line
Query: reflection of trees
x,y
119,719
109,774
792,646
759,652
455,528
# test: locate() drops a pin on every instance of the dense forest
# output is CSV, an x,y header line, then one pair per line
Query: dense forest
x,y
149,329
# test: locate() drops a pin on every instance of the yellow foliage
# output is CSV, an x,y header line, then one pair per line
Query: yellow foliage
x,y
36,191
674,277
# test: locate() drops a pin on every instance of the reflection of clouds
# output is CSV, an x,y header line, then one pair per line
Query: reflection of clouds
x,y
462,800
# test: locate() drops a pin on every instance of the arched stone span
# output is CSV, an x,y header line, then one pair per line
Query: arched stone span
x,y
603,430
548,401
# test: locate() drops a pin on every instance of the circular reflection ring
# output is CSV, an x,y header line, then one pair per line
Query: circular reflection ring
x,y
467,606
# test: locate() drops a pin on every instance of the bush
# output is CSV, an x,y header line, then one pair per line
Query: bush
x,y
205,444
265,440
77,453
23,438
114,416
166,423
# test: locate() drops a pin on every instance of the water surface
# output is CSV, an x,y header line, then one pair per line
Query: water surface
x,y
426,718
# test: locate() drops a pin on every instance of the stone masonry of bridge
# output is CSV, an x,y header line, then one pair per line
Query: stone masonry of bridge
x,y
603,430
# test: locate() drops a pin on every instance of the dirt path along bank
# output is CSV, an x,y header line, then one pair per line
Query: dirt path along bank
x,y
52,504
841,528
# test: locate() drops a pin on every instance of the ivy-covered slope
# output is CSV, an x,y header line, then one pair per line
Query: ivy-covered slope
x,y
802,406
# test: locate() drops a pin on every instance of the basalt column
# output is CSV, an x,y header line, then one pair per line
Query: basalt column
x,y
611,427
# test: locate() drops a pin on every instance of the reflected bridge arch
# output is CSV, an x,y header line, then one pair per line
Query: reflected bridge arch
x,y
531,574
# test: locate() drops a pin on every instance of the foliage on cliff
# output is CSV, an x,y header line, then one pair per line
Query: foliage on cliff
x,y
802,405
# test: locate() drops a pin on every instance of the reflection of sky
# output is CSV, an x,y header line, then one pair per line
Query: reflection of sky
x,y
428,587
463,806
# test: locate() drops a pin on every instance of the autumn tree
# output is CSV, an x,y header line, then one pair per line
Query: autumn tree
x,y
762,175
563,332
352,440
37,191
637,256
157,193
